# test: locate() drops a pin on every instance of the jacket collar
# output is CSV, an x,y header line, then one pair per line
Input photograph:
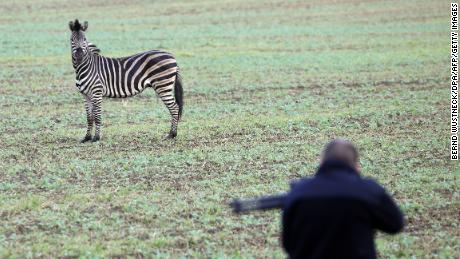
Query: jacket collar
x,y
330,166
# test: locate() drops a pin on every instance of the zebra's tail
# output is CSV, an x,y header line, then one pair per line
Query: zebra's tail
x,y
179,94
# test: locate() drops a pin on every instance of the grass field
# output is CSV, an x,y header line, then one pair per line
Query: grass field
x,y
267,84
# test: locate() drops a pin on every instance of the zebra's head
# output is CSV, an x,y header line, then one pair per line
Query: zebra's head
x,y
78,41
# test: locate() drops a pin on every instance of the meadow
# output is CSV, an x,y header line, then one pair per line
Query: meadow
x,y
266,84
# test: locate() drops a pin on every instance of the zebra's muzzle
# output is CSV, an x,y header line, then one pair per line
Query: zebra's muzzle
x,y
78,54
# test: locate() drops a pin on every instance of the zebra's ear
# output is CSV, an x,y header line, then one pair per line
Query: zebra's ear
x,y
71,25
85,26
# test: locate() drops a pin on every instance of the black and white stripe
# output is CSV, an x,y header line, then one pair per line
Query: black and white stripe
x,y
98,76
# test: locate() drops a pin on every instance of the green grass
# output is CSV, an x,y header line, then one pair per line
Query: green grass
x,y
267,84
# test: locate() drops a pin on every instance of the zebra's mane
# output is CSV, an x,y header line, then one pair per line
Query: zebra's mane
x,y
93,48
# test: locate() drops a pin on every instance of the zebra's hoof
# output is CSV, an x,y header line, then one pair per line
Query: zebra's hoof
x,y
96,138
171,135
85,139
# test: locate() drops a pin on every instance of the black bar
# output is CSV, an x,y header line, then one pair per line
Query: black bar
x,y
262,203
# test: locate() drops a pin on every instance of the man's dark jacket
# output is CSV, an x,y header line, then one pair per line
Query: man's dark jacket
x,y
335,214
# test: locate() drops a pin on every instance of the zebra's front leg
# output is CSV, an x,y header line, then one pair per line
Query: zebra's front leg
x,y
96,102
89,119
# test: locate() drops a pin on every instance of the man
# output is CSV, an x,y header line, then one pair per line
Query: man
x,y
335,213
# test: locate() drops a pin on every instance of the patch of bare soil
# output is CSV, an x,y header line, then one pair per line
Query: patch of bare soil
x,y
439,218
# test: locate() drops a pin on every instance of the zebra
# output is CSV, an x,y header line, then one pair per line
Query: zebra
x,y
98,76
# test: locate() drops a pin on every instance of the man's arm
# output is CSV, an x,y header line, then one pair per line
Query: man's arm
x,y
286,236
387,215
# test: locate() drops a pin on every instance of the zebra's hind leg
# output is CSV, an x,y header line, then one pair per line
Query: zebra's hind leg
x,y
174,111
165,94
89,119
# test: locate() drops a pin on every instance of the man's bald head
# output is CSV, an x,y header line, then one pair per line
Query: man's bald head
x,y
341,150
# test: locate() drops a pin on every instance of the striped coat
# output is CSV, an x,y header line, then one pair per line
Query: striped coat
x,y
98,76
